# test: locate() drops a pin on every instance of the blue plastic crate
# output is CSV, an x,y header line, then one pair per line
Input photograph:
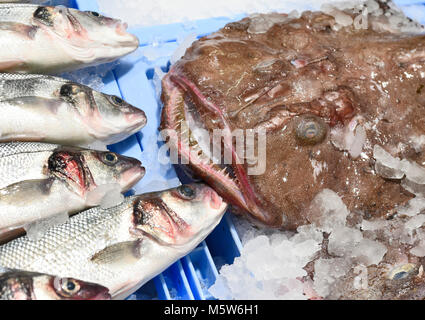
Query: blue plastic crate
x,y
190,277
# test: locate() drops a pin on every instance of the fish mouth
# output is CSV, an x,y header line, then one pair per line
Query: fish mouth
x,y
230,181
137,119
130,177
103,295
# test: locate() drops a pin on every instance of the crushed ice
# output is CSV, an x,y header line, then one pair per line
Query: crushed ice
x,y
105,195
37,229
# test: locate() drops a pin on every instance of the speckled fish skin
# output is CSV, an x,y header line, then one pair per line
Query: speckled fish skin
x,y
55,110
125,246
278,72
47,39
22,285
40,180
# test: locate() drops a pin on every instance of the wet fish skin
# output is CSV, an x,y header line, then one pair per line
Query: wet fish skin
x,y
40,180
55,110
47,39
23,285
125,246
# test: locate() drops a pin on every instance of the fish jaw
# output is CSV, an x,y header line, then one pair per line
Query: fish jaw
x,y
235,190
173,219
107,37
46,287
69,38
130,177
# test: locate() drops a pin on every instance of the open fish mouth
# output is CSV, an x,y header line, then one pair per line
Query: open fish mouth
x,y
229,180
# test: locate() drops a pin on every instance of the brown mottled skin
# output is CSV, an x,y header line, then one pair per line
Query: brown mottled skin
x,y
381,285
232,65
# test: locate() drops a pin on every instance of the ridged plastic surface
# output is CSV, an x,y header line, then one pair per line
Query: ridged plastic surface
x,y
190,277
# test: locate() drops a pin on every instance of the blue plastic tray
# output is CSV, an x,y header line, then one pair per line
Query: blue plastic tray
x,y
190,277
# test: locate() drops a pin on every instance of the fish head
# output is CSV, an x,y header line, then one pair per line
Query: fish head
x,y
107,118
56,288
110,167
118,116
103,38
179,216
88,170
227,82
23,285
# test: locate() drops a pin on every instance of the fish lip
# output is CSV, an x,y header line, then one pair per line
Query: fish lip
x,y
131,176
239,197
138,118
103,295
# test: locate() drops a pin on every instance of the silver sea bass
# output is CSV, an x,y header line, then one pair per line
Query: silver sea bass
x,y
47,39
51,109
40,180
23,285
122,247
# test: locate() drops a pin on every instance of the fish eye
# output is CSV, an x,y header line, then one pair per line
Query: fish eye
x,y
110,158
117,100
69,89
186,192
44,15
94,13
310,130
66,90
67,287
402,272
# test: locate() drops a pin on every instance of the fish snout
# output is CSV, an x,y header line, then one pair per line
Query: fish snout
x,y
212,198
131,173
136,118
103,295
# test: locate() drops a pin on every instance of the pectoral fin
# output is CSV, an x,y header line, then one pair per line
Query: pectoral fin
x,y
118,254
21,29
24,192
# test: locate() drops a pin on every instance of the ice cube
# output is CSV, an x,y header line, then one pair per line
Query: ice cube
x,y
111,199
369,252
373,225
419,250
413,207
414,223
157,78
181,49
415,177
327,272
36,230
107,195
327,211
386,165
343,240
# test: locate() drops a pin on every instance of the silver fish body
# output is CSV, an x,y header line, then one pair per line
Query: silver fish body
x,y
125,246
22,285
38,180
51,109
47,39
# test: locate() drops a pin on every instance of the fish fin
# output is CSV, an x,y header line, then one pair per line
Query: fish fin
x,y
11,65
25,30
24,191
34,103
7,235
127,252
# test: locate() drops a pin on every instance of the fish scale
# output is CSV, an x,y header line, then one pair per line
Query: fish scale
x,y
13,148
23,161
65,246
39,181
46,39
124,246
